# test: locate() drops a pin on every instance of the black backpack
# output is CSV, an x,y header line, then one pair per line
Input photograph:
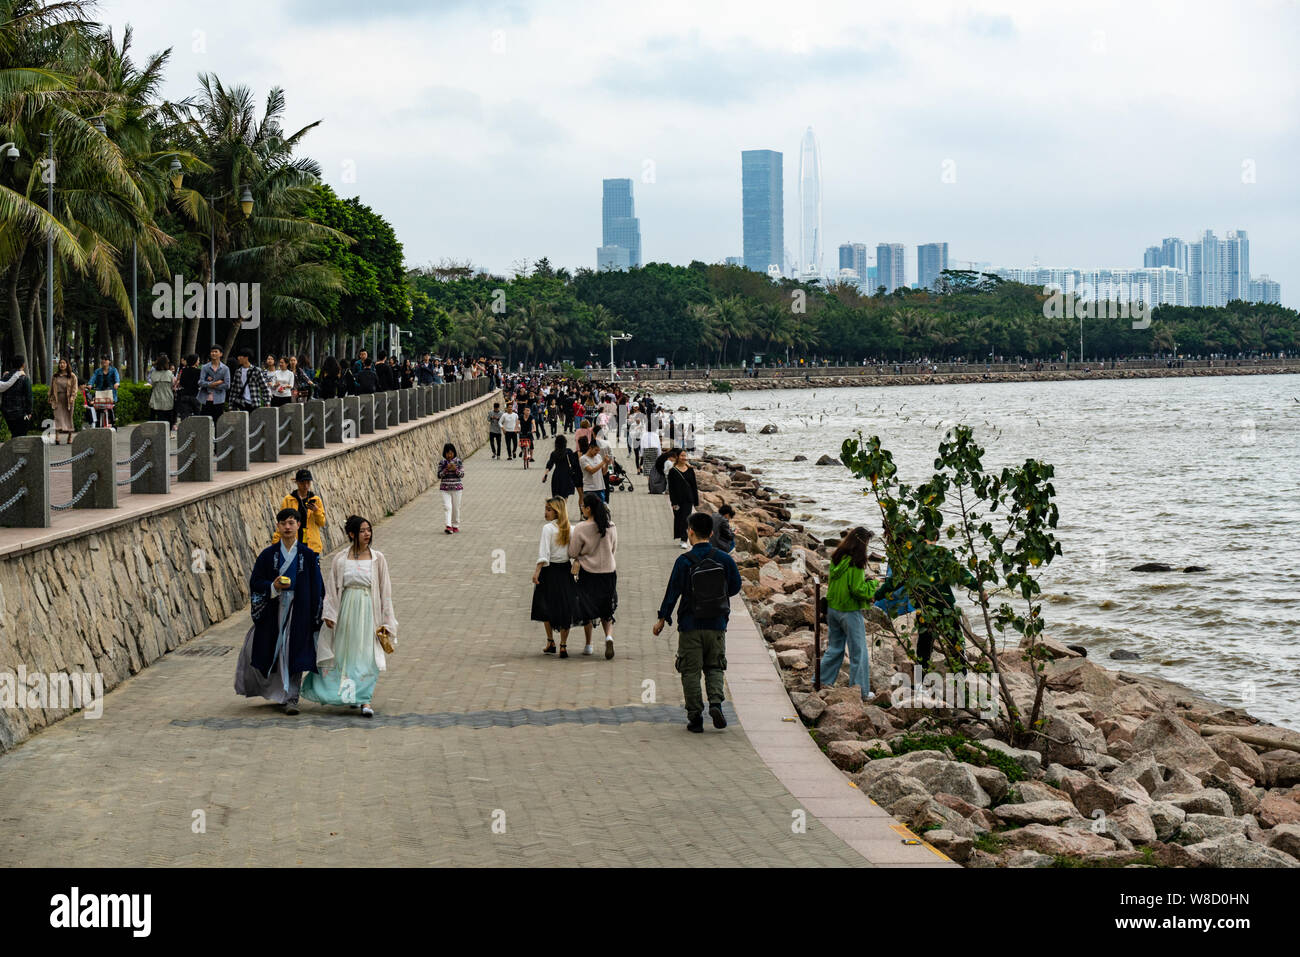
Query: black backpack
x,y
707,586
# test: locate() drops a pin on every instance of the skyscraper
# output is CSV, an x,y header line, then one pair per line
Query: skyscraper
x,y
1263,289
889,266
931,259
854,256
763,210
619,225
1173,252
810,207
1151,258
1236,266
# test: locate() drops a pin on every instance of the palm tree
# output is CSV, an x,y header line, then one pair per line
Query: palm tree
x,y
538,335
705,317
276,245
732,320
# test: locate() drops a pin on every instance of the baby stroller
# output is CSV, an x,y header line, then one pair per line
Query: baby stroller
x,y
619,480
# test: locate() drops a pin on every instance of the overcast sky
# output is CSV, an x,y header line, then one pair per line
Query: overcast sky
x,y
1077,133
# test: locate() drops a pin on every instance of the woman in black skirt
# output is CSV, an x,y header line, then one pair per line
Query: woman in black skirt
x,y
682,493
555,597
564,464
592,545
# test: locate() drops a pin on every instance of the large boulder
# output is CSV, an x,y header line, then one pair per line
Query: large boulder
x,y
1239,755
1282,767
1285,838
901,764
1234,850
729,425
1134,823
797,614
809,706
887,789
1205,801
1166,818
926,815
950,843
849,755
1177,745
1089,794
1036,812
1070,740
1177,781
993,781
951,777
1275,809
1214,825
1056,840
1030,761
1031,791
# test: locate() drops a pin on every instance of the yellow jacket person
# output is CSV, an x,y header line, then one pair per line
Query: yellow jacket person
x,y
311,511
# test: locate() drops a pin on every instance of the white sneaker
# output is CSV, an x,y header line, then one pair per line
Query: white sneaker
x,y
685,545
587,650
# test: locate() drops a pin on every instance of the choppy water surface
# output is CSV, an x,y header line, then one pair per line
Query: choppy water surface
x,y
1201,471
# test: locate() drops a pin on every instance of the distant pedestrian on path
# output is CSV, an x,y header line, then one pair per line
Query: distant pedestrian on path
x,y
16,403
311,512
563,462
593,544
848,593
683,493
510,428
214,382
704,579
358,606
593,466
63,399
494,430
287,599
162,395
451,475
555,597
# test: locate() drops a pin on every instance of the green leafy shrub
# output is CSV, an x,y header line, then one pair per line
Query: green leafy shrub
x,y
720,385
964,749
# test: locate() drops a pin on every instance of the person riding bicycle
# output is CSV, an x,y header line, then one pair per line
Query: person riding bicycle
x,y
105,379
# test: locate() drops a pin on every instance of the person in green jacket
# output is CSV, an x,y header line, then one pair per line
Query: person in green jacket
x,y
849,592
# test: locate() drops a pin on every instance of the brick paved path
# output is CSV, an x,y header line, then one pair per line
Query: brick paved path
x,y
473,725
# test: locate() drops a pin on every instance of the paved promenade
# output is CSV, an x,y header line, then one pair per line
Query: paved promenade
x,y
483,750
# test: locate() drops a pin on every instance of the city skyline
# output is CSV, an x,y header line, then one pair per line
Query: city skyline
x,y
453,150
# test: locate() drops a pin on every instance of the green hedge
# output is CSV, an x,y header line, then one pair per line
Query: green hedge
x,y
132,406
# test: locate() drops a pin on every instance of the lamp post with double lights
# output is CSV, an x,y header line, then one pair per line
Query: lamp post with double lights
x,y
246,205
613,338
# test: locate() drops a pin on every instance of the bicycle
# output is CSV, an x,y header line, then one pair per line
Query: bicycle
x,y
526,450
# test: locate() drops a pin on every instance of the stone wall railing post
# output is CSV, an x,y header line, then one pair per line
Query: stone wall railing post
x,y
31,481
194,437
101,462
313,434
382,401
440,397
231,442
156,480
366,420
394,412
292,428
264,434
405,405
350,422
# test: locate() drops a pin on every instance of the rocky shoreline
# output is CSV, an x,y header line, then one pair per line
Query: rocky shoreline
x,y
1131,771
797,380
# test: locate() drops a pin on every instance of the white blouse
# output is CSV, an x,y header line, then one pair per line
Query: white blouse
x,y
549,550
357,571
283,380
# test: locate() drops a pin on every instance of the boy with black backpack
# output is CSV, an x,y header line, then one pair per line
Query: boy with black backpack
x,y
704,579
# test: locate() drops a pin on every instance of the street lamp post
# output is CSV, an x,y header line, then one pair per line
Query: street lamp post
x,y
49,261
615,337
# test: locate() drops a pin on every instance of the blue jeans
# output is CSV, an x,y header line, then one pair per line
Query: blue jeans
x,y
846,630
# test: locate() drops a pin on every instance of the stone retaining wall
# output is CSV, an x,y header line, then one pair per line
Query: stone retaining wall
x,y
113,601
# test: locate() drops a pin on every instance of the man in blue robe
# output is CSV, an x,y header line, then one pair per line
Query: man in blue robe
x,y
288,596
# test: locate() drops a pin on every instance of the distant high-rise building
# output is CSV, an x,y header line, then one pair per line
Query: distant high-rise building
x,y
1173,253
810,207
763,210
1236,266
1151,257
613,257
619,225
735,260
889,266
872,280
854,256
1262,289
931,259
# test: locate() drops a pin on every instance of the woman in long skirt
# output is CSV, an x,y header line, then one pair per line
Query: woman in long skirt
x,y
592,545
358,601
555,597
562,469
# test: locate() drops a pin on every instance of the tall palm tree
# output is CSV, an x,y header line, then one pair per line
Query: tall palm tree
x,y
733,321
276,245
538,334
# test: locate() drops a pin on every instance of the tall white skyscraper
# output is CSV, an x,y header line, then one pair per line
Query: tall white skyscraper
x,y
889,266
810,207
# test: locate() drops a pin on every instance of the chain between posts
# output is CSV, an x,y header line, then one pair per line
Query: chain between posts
x,y
16,496
77,498
128,481
188,443
254,448
138,452
218,458
18,467
188,463
76,458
